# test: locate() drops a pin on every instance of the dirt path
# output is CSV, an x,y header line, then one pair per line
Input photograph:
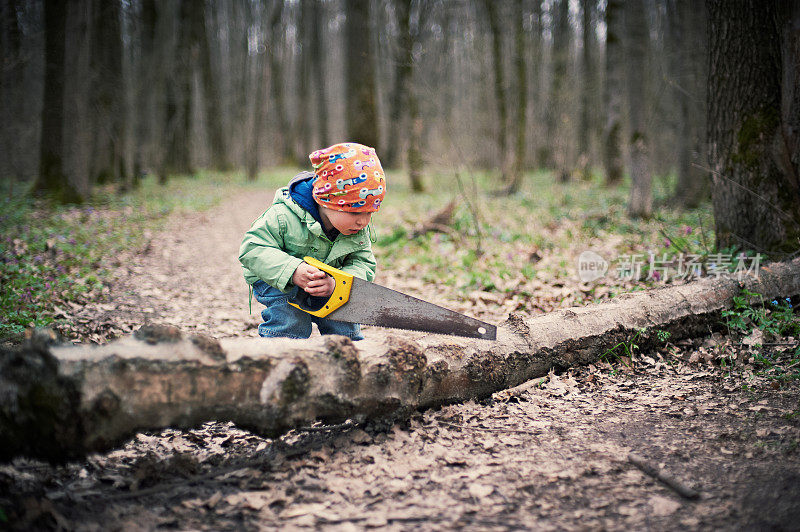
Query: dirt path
x,y
551,456
188,275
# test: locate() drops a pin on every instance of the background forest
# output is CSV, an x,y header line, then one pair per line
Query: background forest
x,y
170,87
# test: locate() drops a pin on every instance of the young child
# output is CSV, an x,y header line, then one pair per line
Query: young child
x,y
324,215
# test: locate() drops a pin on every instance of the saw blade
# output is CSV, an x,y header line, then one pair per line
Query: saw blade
x,y
372,304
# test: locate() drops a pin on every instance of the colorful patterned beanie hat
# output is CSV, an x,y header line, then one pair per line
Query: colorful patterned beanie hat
x,y
349,178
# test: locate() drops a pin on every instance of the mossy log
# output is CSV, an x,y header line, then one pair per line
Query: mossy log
x,y
61,402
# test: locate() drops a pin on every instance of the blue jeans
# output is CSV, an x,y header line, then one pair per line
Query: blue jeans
x,y
282,319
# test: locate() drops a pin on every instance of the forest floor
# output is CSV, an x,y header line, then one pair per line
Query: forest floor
x,y
552,454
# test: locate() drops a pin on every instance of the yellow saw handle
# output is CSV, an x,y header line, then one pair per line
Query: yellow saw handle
x,y
340,295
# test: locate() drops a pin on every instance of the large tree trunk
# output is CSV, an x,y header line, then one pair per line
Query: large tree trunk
x,y
640,204
62,402
756,188
52,180
614,92
360,104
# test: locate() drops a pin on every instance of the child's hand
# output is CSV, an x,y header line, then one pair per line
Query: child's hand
x,y
313,280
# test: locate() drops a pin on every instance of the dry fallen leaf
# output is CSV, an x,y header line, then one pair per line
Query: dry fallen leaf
x,y
663,506
480,491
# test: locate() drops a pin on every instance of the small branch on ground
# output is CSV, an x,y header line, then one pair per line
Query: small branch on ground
x,y
665,478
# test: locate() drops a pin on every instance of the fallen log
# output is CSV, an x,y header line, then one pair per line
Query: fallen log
x,y
61,402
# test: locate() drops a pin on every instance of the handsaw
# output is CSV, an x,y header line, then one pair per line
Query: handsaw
x,y
358,301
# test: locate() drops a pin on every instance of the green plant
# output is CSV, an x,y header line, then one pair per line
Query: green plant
x,y
624,349
777,318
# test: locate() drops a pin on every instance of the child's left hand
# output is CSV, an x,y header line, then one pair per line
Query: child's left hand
x,y
314,281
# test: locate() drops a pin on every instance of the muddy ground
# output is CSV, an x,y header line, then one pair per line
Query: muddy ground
x,y
552,454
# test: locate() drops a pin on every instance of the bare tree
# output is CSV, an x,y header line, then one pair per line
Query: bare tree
x,y
404,97
687,32
753,116
303,76
640,203
276,82
201,49
11,91
52,179
258,104
107,92
496,32
518,165
319,72
536,69
402,78
588,87
147,88
414,123
179,94
360,104
557,116
614,92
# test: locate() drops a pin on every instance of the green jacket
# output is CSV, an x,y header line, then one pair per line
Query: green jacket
x,y
285,233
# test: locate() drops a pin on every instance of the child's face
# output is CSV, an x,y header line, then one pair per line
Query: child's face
x,y
347,223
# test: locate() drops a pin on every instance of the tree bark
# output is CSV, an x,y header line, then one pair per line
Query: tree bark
x,y
360,104
614,92
61,402
52,180
640,204
756,189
